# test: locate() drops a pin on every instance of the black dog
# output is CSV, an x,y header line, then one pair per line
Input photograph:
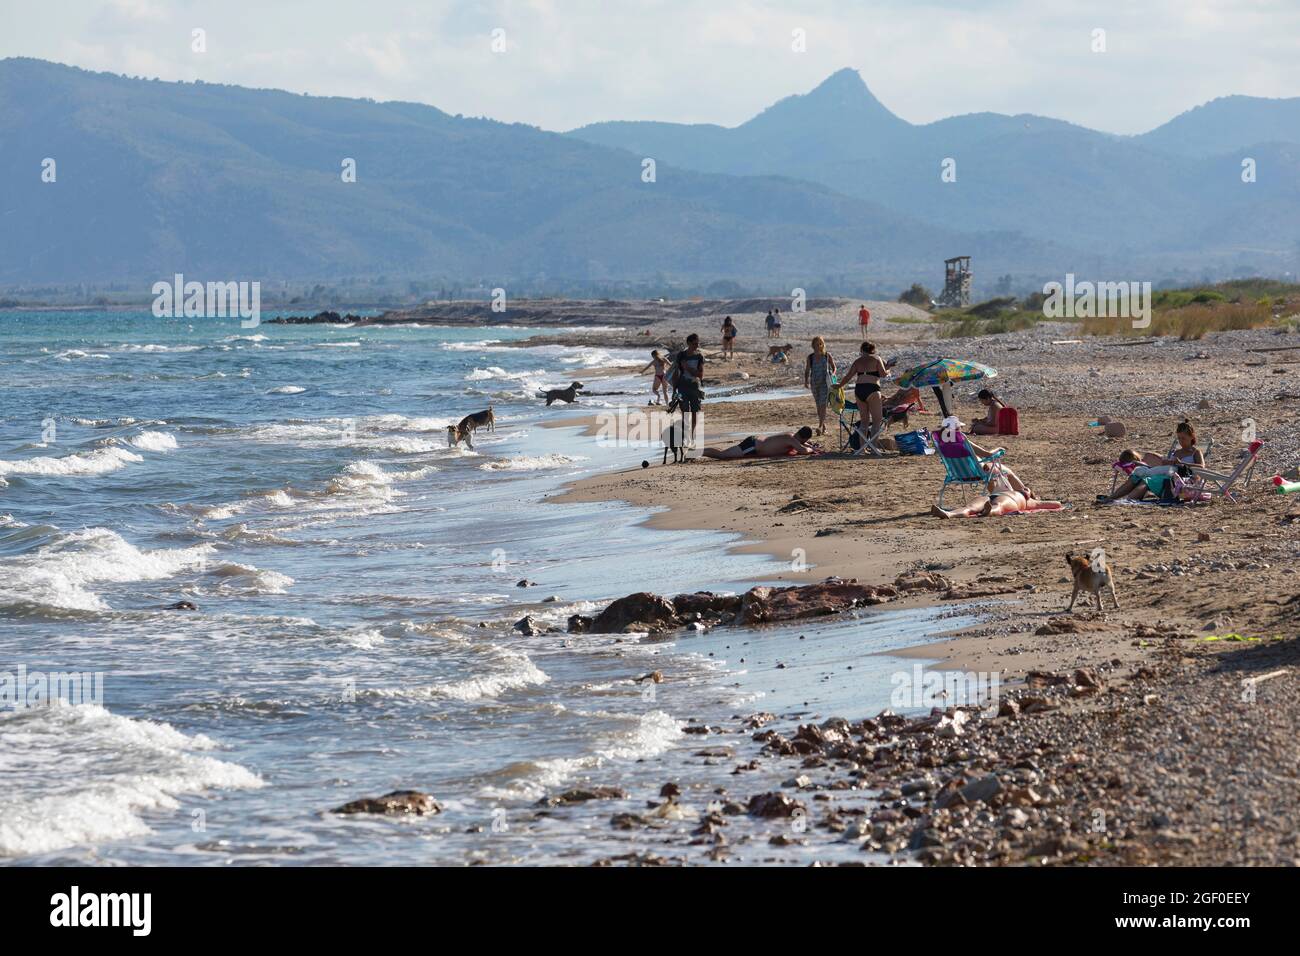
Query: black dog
x,y
672,438
569,395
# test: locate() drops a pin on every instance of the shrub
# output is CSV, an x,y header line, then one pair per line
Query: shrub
x,y
918,296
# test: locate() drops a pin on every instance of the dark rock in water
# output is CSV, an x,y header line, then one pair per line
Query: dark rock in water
x,y
525,583
182,606
627,821
646,611
773,805
706,604
762,605
579,624
582,795
528,626
397,802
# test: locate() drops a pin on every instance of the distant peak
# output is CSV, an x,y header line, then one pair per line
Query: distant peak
x,y
845,79
843,96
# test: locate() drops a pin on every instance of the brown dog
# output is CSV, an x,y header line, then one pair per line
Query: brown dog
x,y
464,432
1090,574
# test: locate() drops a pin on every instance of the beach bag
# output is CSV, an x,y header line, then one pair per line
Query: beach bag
x,y
835,397
1008,421
914,443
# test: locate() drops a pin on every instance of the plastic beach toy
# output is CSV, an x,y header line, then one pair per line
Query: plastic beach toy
x,y
1283,487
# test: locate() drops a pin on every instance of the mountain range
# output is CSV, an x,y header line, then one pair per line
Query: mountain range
x,y
227,183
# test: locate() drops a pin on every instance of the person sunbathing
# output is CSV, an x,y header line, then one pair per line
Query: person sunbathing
x,y
1008,495
774,446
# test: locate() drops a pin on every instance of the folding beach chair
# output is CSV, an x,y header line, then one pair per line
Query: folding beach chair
x,y
1207,484
1126,470
851,437
962,466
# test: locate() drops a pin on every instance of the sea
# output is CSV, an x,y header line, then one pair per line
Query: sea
x,y
354,583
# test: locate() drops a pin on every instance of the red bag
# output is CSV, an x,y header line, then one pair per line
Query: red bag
x,y
1008,421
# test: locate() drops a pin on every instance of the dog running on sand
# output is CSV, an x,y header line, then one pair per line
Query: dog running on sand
x,y
569,395
464,432
1090,574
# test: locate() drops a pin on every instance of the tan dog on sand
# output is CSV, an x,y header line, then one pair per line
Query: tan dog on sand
x,y
1090,574
464,432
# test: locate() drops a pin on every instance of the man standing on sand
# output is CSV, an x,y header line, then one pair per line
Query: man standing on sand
x,y
688,377
864,320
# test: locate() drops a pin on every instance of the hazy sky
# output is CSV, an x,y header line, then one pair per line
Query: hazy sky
x,y
570,62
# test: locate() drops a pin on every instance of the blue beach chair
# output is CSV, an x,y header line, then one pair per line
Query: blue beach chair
x,y
962,466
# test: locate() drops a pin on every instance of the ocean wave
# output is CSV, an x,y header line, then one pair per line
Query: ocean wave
x,y
57,573
154,441
71,355
482,345
649,735
77,465
497,373
245,577
150,347
82,775
517,671
286,390
531,462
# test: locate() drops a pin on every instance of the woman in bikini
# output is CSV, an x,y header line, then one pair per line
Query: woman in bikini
x,y
660,365
867,372
1007,494
728,338
817,372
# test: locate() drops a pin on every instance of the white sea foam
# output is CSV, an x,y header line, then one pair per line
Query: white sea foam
x,y
511,670
78,465
497,373
650,734
57,574
82,775
531,462
286,390
154,441
482,345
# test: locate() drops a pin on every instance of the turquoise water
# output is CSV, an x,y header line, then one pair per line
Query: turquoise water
x,y
354,580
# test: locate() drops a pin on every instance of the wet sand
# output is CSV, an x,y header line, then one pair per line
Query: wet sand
x,y
1208,594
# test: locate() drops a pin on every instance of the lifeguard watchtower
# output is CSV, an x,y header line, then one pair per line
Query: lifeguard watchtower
x,y
956,283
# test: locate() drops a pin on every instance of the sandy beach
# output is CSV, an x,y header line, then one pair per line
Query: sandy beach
x,y
1126,714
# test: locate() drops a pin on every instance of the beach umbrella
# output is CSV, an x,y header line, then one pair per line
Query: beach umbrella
x,y
941,373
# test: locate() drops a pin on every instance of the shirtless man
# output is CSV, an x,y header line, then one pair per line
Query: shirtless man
x,y
774,446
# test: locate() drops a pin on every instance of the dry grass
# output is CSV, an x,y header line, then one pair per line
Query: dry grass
x,y
1189,322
